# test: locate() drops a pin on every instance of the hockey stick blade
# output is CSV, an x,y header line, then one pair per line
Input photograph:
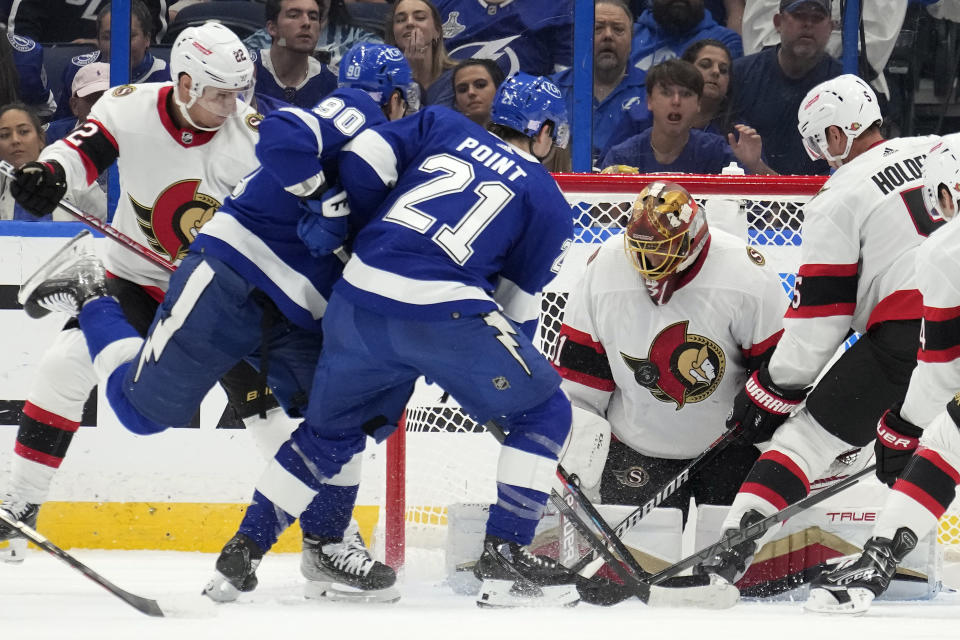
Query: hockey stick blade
x,y
590,563
757,529
141,604
107,230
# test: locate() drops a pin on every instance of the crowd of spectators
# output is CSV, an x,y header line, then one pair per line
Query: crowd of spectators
x,y
672,90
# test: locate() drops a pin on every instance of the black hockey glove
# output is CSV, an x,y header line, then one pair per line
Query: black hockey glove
x,y
761,407
39,186
897,439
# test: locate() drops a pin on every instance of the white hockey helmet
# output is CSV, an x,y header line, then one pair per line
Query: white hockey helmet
x,y
941,177
219,66
846,102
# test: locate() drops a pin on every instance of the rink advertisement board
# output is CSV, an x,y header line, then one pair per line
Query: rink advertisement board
x,y
182,489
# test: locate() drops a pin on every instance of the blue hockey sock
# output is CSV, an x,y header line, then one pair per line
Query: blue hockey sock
x,y
516,513
329,513
264,522
103,323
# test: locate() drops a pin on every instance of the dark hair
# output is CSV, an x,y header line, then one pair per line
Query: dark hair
x,y
496,73
138,10
9,77
723,120
34,118
617,3
677,72
336,15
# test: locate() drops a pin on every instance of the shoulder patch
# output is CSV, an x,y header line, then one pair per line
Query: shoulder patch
x,y
756,257
253,121
85,58
21,43
123,90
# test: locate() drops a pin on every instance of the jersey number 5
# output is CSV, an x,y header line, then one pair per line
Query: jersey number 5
x,y
455,177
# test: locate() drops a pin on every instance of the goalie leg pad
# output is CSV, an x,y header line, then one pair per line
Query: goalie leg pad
x,y
585,451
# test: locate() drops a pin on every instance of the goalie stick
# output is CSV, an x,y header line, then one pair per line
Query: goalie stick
x,y
590,563
107,230
141,604
757,529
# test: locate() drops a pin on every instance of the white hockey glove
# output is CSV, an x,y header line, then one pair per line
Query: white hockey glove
x,y
585,451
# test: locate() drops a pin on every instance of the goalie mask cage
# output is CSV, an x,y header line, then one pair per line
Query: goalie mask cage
x,y
439,456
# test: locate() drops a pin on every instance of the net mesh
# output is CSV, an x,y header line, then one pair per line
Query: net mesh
x,y
449,457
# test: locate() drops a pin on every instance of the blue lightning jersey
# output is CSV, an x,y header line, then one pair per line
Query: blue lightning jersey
x,y
28,59
318,83
535,36
455,221
255,231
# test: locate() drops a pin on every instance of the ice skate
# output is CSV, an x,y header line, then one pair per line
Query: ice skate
x,y
731,563
343,570
514,577
851,586
67,280
236,570
20,511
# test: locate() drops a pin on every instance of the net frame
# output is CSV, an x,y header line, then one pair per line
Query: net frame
x,y
771,206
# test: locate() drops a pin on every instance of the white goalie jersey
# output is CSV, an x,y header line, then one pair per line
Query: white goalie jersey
x,y
665,376
172,180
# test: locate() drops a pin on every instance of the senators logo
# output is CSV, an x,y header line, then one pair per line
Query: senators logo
x,y
679,367
175,218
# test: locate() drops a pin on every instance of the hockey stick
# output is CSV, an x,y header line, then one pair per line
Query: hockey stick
x,y
141,604
109,231
591,563
757,529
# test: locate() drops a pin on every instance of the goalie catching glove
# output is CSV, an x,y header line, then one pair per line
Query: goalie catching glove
x,y
761,407
323,223
39,186
896,441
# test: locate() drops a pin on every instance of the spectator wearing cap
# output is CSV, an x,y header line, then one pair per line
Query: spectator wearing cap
x,y
668,27
87,87
768,86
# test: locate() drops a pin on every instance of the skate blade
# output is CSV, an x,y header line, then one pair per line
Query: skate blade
x,y
318,590
220,590
15,551
78,247
717,594
501,594
823,601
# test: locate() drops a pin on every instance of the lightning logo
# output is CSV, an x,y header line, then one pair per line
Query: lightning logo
x,y
496,320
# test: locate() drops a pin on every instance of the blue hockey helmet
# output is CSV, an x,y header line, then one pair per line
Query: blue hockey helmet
x,y
525,102
379,69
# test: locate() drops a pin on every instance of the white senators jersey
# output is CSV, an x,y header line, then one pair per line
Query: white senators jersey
x,y
860,235
171,180
937,376
665,376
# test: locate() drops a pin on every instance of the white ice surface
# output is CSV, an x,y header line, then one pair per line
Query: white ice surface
x,y
44,598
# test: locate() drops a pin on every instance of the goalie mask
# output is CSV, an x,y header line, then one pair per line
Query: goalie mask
x,y
220,70
941,178
666,233
846,102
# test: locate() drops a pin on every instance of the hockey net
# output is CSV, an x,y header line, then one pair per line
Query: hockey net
x,y
441,457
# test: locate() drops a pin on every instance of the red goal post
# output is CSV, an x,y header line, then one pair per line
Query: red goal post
x,y
457,462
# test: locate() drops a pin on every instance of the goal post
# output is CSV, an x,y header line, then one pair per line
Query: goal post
x,y
439,456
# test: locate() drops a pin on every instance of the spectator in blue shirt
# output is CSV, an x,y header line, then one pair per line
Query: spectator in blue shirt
x,y
713,60
287,70
768,86
145,67
88,85
670,26
23,75
616,85
414,27
674,88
